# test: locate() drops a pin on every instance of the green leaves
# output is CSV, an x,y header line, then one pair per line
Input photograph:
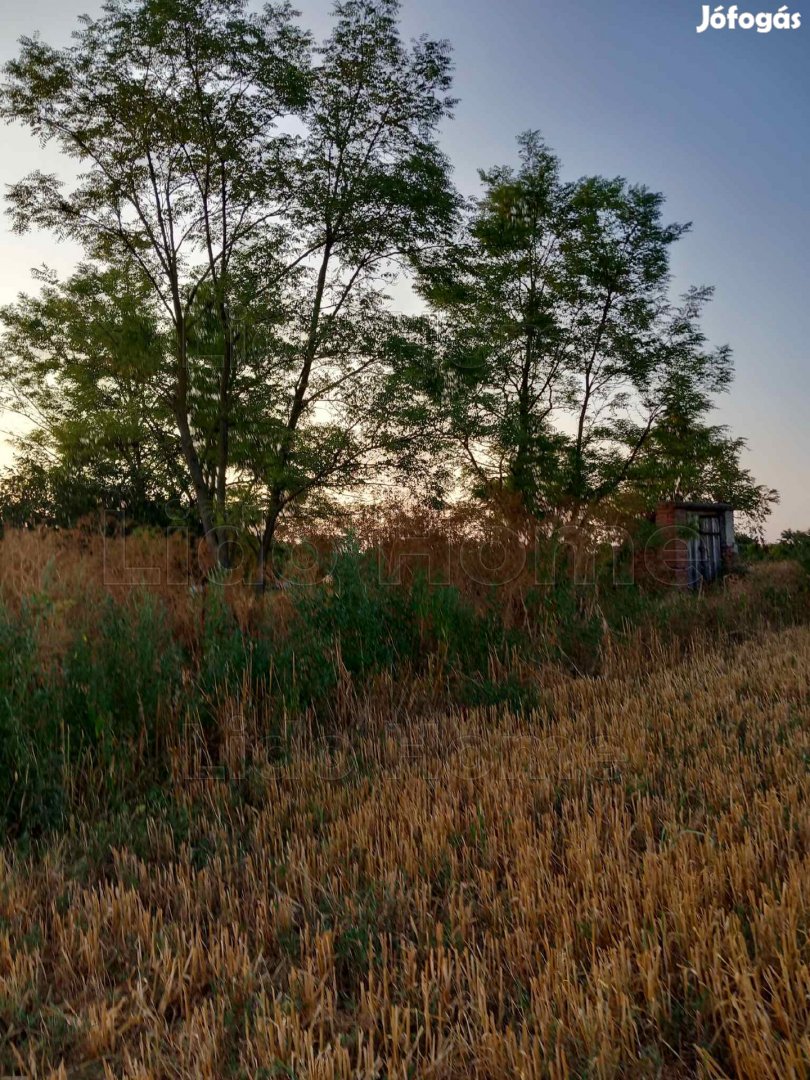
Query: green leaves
x,y
563,353
261,257
246,201
82,362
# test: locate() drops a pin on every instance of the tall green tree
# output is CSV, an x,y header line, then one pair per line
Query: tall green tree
x,y
373,193
564,357
268,194
170,108
81,363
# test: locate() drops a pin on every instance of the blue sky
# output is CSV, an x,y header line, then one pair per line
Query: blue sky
x,y
717,121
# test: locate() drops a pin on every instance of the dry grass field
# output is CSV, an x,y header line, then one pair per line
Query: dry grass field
x,y
384,694
617,884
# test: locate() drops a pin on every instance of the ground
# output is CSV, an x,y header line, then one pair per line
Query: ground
x,y
616,884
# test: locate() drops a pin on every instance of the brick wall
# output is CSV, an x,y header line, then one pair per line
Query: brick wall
x,y
665,559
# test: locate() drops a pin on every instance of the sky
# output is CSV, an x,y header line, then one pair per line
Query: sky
x,y
717,121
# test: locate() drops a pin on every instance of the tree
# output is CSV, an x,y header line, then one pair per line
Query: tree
x,y
81,363
171,108
373,191
687,459
565,362
268,254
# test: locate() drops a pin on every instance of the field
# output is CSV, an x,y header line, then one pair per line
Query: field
x,y
383,691
612,880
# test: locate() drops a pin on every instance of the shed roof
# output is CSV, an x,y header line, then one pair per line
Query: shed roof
x,y
706,507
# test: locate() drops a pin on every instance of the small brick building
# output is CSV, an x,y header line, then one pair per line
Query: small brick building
x,y
693,543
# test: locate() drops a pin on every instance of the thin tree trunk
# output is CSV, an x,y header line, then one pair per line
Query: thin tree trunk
x,y
520,470
201,493
224,431
299,401
268,537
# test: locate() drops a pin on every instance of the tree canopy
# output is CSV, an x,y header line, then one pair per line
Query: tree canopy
x,y
230,348
571,379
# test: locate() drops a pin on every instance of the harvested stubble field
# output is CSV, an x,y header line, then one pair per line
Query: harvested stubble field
x,y
615,885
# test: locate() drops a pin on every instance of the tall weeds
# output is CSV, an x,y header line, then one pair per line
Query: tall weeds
x,y
101,673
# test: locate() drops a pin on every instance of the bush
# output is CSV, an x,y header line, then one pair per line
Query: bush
x,y
794,544
29,757
116,677
90,692
100,703
359,623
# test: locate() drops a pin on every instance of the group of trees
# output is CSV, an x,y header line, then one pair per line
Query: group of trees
x,y
573,380
229,350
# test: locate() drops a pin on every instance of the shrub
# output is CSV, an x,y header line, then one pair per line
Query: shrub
x,y
29,758
93,686
100,703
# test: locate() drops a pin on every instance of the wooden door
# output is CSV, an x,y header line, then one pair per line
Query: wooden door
x,y
709,548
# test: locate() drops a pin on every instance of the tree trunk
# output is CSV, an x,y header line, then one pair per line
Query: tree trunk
x,y
224,433
299,399
268,537
205,508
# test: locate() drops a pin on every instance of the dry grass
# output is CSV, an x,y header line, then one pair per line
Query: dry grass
x,y
76,570
617,885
